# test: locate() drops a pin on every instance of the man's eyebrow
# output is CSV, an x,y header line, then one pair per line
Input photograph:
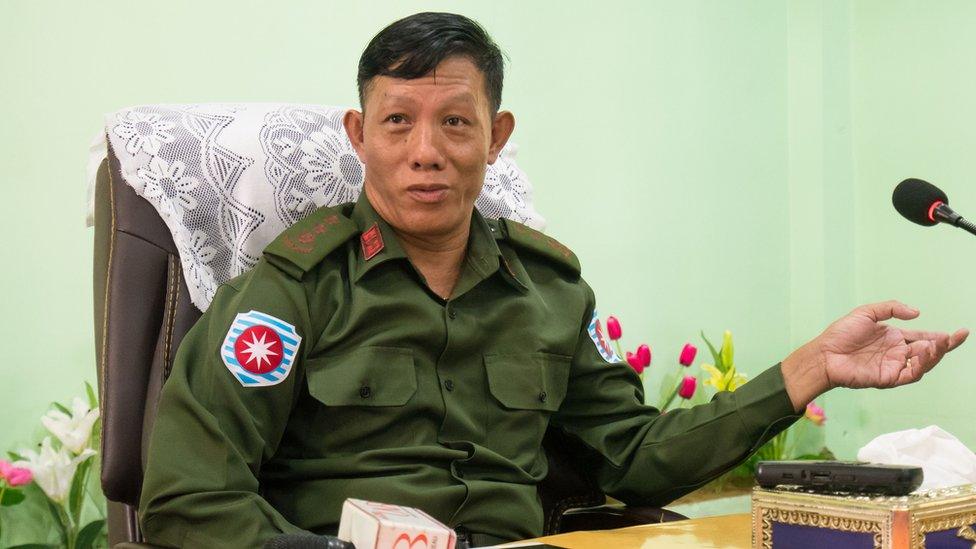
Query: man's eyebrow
x,y
461,97
388,98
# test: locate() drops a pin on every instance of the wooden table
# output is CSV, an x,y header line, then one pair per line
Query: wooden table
x,y
722,532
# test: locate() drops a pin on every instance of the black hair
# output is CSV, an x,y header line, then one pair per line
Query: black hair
x,y
415,45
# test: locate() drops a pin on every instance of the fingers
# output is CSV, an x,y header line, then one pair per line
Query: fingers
x,y
888,309
924,354
916,335
951,341
958,338
925,350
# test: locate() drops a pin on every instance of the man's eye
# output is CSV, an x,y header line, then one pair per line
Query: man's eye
x,y
454,121
396,118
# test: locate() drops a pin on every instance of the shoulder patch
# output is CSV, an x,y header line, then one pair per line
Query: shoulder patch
x,y
303,245
259,349
534,241
596,334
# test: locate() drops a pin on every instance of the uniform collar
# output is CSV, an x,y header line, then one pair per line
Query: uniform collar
x,y
366,219
482,260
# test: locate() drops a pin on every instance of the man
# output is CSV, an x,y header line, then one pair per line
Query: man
x,y
404,349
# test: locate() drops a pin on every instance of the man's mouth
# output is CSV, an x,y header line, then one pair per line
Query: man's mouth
x,y
428,194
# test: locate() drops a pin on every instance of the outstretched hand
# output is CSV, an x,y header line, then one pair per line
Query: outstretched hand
x,y
859,350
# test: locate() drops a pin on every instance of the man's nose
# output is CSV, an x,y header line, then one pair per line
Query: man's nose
x,y
425,148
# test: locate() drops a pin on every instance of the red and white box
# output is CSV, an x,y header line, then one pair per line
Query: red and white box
x,y
371,525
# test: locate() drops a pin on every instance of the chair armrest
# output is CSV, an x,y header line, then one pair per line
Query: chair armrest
x,y
607,517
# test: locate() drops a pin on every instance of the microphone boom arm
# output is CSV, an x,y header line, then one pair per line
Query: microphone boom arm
x,y
944,214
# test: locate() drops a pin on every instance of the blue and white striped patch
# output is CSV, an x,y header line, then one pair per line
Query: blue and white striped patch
x,y
290,341
600,340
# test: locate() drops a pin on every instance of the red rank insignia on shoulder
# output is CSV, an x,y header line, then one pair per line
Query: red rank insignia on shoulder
x,y
372,242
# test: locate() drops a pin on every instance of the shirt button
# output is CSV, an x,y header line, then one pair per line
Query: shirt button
x,y
449,385
543,396
452,313
458,472
365,391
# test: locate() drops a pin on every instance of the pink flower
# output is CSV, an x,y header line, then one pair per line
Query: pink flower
x,y
644,354
688,353
19,476
613,328
815,414
635,362
688,385
15,476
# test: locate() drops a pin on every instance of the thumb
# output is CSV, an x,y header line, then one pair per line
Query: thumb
x,y
888,309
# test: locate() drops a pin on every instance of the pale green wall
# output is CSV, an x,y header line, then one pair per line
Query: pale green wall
x,y
690,152
913,86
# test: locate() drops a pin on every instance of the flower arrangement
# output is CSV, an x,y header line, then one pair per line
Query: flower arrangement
x,y
60,467
725,377
721,375
675,384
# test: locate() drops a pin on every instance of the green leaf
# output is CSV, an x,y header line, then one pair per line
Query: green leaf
x,y
667,385
12,496
96,434
716,357
92,398
728,351
87,536
76,497
61,407
15,456
59,519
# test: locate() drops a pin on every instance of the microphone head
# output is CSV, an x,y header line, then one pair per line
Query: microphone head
x,y
915,200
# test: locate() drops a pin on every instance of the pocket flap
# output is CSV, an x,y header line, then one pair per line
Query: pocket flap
x,y
368,376
529,381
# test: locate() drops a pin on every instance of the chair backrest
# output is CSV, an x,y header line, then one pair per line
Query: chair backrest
x,y
142,311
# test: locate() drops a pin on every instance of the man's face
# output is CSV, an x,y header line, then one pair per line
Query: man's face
x,y
426,143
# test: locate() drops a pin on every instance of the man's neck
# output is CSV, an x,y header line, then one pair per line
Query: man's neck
x,y
438,258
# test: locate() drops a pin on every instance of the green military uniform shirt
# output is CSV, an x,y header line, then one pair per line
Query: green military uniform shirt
x,y
398,396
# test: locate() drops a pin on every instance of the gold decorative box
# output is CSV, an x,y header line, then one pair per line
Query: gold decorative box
x,y
787,518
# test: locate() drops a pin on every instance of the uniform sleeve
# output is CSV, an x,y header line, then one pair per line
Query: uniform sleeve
x,y
212,433
645,457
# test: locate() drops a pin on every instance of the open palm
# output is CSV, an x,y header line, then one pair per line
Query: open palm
x,y
859,350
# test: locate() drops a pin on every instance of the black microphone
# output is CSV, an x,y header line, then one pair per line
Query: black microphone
x,y
923,203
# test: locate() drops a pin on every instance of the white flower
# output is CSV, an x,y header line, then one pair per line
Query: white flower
x,y
166,186
53,470
73,431
144,131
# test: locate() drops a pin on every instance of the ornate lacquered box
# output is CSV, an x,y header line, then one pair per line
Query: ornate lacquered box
x,y
798,519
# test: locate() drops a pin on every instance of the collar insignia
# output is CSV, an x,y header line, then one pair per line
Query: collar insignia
x,y
372,242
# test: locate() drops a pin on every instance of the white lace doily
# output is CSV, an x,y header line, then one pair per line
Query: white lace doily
x,y
228,178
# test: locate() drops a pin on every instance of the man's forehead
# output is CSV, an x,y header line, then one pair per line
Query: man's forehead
x,y
456,80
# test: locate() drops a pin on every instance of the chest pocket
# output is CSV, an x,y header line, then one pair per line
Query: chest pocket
x,y
531,381
525,389
368,376
368,397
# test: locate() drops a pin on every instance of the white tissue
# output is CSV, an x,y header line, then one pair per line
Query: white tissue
x,y
944,460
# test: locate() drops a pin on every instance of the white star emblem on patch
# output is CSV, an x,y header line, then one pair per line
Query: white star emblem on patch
x,y
260,350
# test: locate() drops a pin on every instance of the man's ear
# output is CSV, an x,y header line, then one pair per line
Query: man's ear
x,y
501,129
353,122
